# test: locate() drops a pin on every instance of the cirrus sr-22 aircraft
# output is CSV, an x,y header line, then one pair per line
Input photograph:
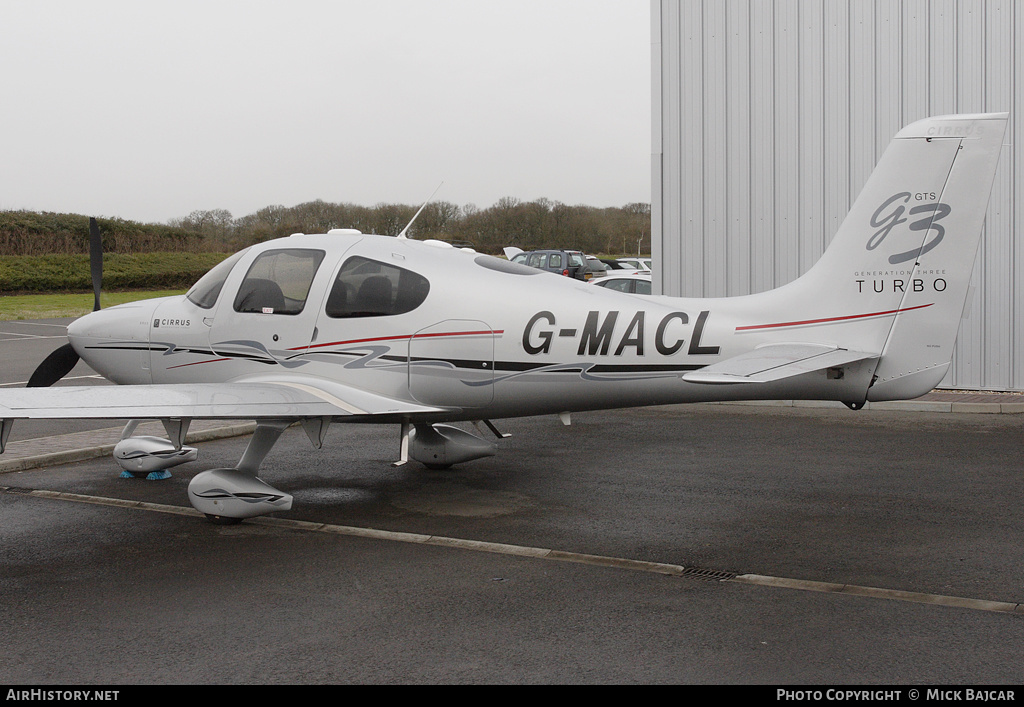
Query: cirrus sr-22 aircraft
x,y
348,327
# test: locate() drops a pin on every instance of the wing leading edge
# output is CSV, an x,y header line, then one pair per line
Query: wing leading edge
x,y
775,362
255,399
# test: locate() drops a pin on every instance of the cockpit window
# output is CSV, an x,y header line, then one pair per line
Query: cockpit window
x,y
278,281
367,288
206,290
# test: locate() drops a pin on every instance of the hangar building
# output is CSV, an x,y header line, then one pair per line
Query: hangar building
x,y
769,116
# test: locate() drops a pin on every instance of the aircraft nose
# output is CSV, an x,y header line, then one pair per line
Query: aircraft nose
x,y
128,322
115,341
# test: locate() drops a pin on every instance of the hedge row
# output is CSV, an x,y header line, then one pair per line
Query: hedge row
x,y
121,271
39,233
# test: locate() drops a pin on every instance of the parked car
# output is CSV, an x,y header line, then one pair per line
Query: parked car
x,y
616,267
614,264
571,263
641,264
625,282
596,267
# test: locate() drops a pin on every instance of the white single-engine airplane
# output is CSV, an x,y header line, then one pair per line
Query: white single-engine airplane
x,y
347,327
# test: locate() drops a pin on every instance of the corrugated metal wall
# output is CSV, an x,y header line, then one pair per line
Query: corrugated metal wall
x,y
770,115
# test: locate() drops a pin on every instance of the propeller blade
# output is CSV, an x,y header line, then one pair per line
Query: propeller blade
x,y
59,363
54,367
95,259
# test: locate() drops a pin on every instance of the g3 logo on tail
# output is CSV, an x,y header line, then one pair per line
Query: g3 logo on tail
x,y
886,218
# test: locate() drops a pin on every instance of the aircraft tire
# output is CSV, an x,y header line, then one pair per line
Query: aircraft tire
x,y
222,520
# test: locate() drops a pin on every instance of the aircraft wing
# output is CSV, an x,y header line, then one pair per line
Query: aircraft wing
x,y
775,362
259,399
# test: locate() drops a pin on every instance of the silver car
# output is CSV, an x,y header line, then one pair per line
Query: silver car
x,y
630,284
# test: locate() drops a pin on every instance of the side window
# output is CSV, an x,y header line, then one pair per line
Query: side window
x,y
537,260
643,287
278,281
521,259
620,285
555,261
367,288
207,289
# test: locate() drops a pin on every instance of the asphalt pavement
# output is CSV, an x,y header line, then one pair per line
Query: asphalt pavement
x,y
23,346
706,544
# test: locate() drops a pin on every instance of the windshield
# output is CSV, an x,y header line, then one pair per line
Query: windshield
x,y
205,292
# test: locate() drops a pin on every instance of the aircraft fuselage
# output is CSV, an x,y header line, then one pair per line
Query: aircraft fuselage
x,y
488,340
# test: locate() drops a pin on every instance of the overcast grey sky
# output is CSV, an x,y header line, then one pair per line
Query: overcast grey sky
x,y
150,109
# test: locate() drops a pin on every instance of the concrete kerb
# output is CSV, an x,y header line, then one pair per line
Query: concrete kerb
x,y
64,449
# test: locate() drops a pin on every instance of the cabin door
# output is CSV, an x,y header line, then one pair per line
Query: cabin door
x,y
452,363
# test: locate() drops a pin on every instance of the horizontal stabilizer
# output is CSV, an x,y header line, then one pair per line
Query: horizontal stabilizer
x,y
775,362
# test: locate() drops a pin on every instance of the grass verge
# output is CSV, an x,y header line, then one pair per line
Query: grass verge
x,y
57,306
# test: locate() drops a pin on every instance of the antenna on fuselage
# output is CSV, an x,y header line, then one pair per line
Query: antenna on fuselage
x,y
404,230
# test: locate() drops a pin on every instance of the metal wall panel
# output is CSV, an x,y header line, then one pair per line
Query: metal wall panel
x,y
968,61
692,139
999,298
786,141
715,87
1015,216
769,117
811,131
836,89
737,161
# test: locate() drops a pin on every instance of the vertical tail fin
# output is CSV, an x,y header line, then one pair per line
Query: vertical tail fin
x,y
898,270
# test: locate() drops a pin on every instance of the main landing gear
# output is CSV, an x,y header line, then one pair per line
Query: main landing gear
x,y
440,446
230,495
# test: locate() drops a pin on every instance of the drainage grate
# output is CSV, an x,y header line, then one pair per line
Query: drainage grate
x,y
708,575
16,489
